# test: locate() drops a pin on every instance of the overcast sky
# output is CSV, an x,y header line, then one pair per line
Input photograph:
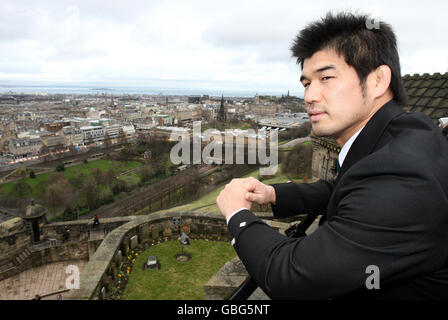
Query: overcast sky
x,y
192,44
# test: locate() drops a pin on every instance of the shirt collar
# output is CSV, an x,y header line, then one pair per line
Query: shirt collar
x,y
346,147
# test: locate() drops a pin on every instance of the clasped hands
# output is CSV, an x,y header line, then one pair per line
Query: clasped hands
x,y
240,193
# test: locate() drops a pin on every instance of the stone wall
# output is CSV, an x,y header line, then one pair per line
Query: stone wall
x,y
18,255
325,155
13,243
97,279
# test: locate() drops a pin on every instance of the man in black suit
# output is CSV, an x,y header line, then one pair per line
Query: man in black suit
x,y
384,229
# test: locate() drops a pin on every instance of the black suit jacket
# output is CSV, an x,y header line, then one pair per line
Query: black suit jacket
x,y
387,208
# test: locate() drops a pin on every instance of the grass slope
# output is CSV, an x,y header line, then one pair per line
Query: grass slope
x,y
70,172
207,203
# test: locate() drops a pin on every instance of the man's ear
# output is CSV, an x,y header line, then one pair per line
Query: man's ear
x,y
382,77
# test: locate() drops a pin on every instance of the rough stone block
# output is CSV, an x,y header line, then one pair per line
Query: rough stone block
x,y
154,234
134,242
167,232
144,233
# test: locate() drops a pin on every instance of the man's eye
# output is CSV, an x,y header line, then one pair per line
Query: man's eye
x,y
326,78
306,84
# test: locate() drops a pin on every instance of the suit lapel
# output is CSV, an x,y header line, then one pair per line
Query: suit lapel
x,y
368,138
363,146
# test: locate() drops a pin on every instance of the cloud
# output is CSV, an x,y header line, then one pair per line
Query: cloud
x,y
237,44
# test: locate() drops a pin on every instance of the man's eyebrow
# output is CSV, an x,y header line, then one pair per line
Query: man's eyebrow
x,y
328,67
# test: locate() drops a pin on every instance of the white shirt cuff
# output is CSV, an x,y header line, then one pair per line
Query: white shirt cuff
x,y
234,213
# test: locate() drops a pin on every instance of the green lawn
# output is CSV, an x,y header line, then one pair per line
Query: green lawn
x,y
36,183
177,280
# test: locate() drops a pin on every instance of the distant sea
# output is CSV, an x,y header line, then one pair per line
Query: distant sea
x,y
100,90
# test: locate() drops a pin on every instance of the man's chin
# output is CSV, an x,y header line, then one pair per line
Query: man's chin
x,y
322,133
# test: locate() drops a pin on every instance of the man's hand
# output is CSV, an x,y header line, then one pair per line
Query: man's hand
x,y
240,193
259,192
232,198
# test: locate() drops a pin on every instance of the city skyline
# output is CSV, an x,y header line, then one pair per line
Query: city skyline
x,y
194,45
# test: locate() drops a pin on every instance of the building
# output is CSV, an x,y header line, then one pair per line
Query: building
x,y
428,94
161,119
188,115
21,148
54,143
113,131
56,126
72,136
266,110
93,133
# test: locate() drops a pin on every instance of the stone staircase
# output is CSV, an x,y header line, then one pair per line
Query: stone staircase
x,y
15,264
21,257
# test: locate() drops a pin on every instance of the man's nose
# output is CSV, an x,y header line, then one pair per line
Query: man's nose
x,y
312,93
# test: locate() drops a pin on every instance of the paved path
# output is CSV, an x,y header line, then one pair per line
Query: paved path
x,y
41,280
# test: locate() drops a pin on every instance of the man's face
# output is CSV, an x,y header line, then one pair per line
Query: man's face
x,y
334,97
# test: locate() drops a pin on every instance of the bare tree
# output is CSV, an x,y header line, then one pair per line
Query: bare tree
x,y
59,193
97,176
21,189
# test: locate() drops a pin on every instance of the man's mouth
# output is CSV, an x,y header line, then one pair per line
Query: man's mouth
x,y
316,115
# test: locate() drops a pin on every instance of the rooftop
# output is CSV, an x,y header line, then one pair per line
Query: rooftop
x,y
428,94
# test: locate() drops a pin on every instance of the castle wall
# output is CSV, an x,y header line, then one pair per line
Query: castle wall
x,y
17,254
97,279
325,155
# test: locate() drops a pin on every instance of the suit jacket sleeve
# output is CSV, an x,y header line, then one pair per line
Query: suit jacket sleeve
x,y
303,198
387,217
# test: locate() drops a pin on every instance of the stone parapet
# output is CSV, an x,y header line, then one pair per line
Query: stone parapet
x,y
95,281
17,255
98,275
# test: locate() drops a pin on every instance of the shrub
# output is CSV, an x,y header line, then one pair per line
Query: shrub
x,y
60,167
298,161
119,186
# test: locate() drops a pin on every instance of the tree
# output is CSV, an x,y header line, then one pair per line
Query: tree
x,y
59,193
55,177
97,176
90,194
119,186
60,167
32,174
303,130
298,161
125,154
20,189
193,183
77,181
145,173
109,177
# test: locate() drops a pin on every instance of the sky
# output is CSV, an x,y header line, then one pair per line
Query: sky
x,y
228,45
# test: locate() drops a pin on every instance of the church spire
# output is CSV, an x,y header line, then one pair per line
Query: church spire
x,y
222,112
